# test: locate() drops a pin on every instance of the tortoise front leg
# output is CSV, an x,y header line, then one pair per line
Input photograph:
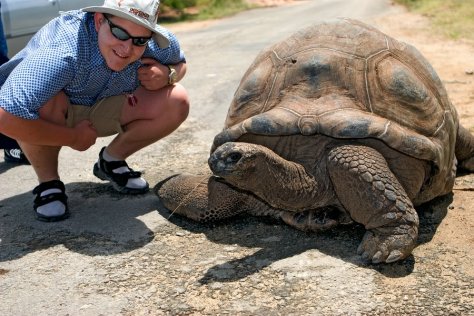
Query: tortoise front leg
x,y
205,198
373,196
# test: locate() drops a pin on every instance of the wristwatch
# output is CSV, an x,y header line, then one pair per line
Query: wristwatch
x,y
172,76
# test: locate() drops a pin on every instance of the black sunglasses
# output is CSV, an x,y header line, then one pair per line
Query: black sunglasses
x,y
120,34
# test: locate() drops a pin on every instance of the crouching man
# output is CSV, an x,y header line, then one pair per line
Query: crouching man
x,y
90,73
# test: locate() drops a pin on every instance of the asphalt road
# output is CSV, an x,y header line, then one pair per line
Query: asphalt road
x,y
121,255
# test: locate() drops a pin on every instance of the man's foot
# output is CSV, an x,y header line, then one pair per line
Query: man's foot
x,y
15,155
123,178
50,203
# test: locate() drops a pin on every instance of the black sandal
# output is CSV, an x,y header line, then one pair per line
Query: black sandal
x,y
43,200
104,171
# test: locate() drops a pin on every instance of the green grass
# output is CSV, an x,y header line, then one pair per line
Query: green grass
x,y
454,18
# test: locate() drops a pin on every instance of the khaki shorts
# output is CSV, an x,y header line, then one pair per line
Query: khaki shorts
x,y
104,115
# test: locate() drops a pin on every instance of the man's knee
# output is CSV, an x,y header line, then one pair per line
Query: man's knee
x,y
179,103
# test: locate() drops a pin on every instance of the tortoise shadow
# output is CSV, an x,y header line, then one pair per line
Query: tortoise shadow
x,y
102,222
279,241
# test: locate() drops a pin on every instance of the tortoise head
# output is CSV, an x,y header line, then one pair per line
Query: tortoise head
x,y
237,162
253,168
257,169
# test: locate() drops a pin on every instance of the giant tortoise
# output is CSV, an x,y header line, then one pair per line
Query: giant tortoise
x,y
337,123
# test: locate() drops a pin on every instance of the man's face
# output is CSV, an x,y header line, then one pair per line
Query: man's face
x,y
117,53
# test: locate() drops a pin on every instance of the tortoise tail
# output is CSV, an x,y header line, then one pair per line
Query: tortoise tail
x,y
465,149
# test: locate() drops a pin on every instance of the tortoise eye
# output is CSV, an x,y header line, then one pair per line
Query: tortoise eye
x,y
234,157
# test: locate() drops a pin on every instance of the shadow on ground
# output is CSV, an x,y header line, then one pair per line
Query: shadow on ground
x,y
102,222
278,241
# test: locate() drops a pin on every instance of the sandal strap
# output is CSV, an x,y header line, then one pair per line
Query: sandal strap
x,y
120,178
53,184
45,199
48,198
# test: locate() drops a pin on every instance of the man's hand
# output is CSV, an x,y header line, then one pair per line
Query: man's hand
x,y
86,136
152,74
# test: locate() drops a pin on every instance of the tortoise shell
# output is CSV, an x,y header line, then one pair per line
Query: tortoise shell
x,y
348,80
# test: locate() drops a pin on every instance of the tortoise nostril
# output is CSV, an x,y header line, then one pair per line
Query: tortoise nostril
x,y
234,157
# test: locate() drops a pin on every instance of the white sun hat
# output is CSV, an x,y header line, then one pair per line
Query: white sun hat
x,y
141,12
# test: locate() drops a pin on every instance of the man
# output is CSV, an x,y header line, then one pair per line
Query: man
x,y
95,72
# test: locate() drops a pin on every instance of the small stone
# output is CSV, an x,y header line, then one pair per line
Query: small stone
x,y
180,290
215,286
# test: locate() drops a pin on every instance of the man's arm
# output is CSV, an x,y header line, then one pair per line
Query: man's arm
x,y
41,132
153,75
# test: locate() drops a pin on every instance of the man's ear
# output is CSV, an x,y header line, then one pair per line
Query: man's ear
x,y
98,20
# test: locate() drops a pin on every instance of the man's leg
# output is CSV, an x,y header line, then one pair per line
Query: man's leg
x,y
156,115
44,160
152,116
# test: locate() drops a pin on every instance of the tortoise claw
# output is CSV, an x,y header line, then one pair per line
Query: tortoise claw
x,y
377,258
394,256
379,248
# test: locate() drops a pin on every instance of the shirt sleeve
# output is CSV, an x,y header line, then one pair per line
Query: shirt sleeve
x,y
171,55
35,80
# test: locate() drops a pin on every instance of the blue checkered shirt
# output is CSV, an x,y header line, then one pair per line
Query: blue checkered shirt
x,y
64,55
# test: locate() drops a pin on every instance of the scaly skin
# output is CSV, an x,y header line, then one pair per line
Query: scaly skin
x,y
372,195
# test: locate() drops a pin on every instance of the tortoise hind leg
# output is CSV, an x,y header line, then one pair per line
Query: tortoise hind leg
x,y
465,149
373,196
